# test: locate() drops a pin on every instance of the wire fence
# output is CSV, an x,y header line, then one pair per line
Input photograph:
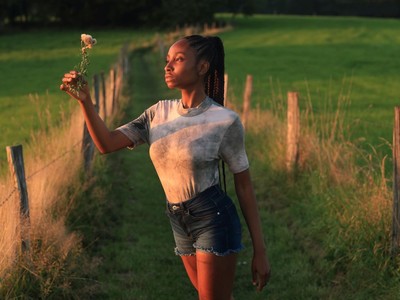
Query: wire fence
x,y
9,196
20,216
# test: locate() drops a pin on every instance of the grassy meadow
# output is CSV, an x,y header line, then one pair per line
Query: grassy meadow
x,y
336,214
324,59
327,226
32,65
321,58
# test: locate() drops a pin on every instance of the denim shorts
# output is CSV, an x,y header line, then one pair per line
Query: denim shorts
x,y
208,222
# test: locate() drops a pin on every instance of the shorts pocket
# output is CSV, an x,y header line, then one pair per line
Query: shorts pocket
x,y
204,212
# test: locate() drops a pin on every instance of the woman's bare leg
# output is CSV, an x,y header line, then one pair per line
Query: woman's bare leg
x,y
215,275
190,264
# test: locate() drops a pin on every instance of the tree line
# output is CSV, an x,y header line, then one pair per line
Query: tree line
x,y
158,13
170,13
367,8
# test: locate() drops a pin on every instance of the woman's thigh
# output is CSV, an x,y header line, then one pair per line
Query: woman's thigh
x,y
215,275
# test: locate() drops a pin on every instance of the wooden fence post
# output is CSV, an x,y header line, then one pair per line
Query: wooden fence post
x,y
247,99
112,88
396,183
87,149
87,142
16,162
96,88
225,89
103,91
293,131
118,81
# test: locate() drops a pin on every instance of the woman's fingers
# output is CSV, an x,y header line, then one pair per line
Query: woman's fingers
x,y
74,84
72,78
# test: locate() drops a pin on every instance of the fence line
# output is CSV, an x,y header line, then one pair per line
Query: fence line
x,y
293,151
38,171
17,168
96,85
396,183
100,88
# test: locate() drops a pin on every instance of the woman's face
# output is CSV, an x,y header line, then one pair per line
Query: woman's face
x,y
182,70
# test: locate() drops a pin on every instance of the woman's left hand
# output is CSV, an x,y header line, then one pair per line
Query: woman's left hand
x,y
261,270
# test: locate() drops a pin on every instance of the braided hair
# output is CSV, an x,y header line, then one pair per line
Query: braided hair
x,y
211,49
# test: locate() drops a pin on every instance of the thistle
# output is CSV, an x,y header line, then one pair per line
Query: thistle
x,y
87,42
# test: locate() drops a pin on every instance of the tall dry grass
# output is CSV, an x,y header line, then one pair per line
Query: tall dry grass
x,y
52,165
54,265
342,190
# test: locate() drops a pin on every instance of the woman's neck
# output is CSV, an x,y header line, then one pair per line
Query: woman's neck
x,y
192,99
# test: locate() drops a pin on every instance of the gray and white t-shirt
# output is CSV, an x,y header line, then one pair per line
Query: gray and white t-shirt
x,y
186,144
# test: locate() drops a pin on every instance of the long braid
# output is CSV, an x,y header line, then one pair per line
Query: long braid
x,y
212,50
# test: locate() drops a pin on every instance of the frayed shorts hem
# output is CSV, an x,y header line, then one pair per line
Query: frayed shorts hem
x,y
207,250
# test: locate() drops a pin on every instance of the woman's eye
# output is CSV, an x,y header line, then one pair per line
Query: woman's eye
x,y
179,59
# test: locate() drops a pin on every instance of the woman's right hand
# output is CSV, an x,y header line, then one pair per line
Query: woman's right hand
x,y
69,85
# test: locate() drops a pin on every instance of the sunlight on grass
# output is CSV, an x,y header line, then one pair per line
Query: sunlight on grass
x,y
33,64
327,225
310,54
339,200
47,186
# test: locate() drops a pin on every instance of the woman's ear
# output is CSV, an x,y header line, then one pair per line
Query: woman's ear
x,y
203,67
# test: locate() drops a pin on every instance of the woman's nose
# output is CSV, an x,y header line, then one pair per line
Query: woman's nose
x,y
168,67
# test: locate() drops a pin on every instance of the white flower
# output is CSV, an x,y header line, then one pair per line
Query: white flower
x,y
88,40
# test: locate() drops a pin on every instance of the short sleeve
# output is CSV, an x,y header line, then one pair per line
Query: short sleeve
x,y
232,149
138,130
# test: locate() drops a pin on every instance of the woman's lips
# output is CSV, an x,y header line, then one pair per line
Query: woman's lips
x,y
168,77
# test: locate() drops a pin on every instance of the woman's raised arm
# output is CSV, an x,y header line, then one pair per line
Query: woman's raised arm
x,y
105,140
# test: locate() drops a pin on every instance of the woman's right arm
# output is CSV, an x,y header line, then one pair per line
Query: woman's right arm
x,y
105,140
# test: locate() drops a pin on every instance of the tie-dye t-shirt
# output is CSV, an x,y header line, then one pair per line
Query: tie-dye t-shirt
x,y
187,144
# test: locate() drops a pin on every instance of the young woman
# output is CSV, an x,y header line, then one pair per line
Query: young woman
x,y
188,137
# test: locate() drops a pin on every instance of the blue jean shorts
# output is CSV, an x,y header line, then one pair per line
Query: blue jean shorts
x,y
208,222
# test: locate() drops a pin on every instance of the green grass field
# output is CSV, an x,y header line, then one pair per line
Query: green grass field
x,y
320,245
321,57
32,65
316,56
309,237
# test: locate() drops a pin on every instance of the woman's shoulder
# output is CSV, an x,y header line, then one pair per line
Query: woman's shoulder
x,y
162,108
225,110
164,104
167,103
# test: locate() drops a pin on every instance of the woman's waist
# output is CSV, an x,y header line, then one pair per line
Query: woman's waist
x,y
212,192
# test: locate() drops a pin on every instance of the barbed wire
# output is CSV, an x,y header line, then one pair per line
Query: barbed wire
x,y
53,161
8,197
